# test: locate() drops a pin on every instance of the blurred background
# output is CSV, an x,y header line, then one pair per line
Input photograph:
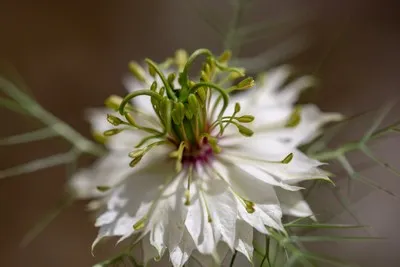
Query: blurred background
x,y
73,54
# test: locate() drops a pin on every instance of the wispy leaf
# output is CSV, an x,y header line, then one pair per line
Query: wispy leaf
x,y
46,220
344,202
38,164
380,162
330,238
359,177
36,135
327,259
325,226
378,121
12,105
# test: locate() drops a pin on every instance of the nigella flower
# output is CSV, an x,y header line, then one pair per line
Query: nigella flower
x,y
190,167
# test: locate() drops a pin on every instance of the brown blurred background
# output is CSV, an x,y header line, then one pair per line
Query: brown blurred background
x,y
73,55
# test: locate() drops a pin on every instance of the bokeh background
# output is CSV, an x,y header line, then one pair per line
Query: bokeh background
x,y
73,54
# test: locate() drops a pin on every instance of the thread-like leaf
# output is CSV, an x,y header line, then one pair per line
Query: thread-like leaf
x,y
32,136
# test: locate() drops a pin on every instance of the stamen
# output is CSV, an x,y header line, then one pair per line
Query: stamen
x,y
132,122
140,224
187,192
239,71
114,120
248,205
112,132
294,118
245,119
166,108
138,154
222,92
103,188
203,199
237,109
287,159
178,154
147,138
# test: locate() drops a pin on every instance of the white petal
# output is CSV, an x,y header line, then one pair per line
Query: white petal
x,y
244,234
106,218
258,173
133,200
167,218
258,146
223,209
182,252
214,260
311,122
290,93
300,168
292,203
245,186
107,171
198,225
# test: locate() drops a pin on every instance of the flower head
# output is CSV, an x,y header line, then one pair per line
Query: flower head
x,y
190,168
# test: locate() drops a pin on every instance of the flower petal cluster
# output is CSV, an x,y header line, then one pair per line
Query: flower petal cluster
x,y
201,183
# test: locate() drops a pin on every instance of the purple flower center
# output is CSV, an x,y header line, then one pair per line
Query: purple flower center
x,y
201,154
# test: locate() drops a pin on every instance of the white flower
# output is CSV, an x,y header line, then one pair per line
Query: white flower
x,y
203,180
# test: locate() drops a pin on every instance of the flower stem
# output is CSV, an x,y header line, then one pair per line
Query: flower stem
x,y
61,128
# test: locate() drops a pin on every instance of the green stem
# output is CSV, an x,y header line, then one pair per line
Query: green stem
x,y
224,94
168,88
234,24
185,73
39,164
135,94
58,126
355,145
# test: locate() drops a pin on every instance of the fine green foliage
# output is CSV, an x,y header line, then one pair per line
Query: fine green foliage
x,y
23,103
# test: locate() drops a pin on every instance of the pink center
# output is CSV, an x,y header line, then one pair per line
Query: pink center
x,y
200,155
